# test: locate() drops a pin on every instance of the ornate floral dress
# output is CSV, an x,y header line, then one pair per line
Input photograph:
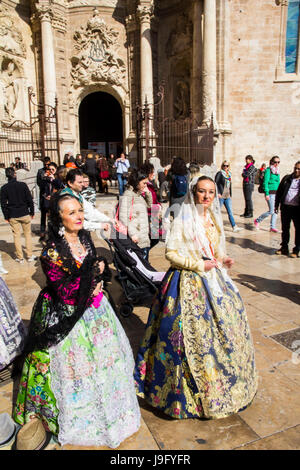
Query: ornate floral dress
x,y
12,329
196,359
82,388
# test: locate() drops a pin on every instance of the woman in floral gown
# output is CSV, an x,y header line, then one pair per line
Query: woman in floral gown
x,y
196,359
77,377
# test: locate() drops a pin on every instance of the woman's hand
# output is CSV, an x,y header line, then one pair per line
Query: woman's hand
x,y
210,264
101,266
267,198
135,239
98,287
228,262
105,226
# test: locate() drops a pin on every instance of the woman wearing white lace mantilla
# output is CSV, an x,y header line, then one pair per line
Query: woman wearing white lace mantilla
x,y
197,358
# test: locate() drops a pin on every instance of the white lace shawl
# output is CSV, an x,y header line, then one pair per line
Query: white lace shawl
x,y
188,237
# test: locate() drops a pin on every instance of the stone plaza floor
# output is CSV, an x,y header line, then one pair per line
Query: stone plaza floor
x,y
269,285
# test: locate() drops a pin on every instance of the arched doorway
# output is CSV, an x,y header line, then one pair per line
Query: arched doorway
x,y
101,124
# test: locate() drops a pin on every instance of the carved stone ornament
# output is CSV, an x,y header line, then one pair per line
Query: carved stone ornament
x,y
131,23
96,59
44,12
145,12
10,37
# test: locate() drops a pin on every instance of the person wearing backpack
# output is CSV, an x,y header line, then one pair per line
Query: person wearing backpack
x,y
259,177
179,184
270,185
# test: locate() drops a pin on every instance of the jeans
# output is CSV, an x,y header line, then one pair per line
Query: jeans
x,y
271,204
122,183
248,189
288,214
228,205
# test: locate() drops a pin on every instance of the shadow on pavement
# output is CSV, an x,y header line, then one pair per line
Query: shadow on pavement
x,y
272,286
252,245
6,247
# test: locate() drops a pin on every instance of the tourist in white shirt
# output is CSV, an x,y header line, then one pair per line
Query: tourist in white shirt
x,y
122,165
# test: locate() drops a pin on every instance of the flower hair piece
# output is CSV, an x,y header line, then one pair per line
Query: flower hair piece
x,y
61,230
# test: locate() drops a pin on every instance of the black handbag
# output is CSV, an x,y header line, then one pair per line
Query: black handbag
x,y
125,175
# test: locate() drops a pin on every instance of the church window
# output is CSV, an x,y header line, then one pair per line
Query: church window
x,y
292,36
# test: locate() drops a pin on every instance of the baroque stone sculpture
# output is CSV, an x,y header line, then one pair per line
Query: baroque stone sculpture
x,y
10,87
96,59
181,100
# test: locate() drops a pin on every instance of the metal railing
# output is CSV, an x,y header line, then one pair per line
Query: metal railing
x,y
36,139
165,137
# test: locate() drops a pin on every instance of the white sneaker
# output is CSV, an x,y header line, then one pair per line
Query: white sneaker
x,y
236,229
18,260
32,258
3,271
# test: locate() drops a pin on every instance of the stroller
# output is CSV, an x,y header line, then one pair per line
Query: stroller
x,y
139,280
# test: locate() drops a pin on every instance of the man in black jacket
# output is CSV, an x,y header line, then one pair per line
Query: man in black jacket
x,y
39,181
90,169
288,198
18,210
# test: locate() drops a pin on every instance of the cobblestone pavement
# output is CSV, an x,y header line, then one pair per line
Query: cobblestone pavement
x,y
269,286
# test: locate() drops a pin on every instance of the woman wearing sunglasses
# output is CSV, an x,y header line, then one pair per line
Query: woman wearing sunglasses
x,y
223,182
270,186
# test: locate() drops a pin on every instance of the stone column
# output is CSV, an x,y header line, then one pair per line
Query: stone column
x,y
197,61
223,61
48,58
209,80
145,12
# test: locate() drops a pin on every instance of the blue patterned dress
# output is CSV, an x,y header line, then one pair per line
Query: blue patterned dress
x,y
196,359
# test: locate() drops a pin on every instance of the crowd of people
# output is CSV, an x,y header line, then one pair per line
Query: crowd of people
x,y
196,359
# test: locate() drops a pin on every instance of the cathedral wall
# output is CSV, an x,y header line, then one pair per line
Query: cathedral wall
x,y
78,75
263,112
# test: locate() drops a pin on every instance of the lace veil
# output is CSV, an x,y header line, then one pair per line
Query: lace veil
x,y
187,234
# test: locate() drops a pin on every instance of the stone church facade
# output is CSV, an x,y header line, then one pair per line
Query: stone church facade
x,y
216,58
